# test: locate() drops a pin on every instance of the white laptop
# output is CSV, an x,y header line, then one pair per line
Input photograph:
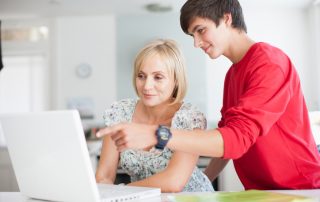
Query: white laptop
x,y
51,160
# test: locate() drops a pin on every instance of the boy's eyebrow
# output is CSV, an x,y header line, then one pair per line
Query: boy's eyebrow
x,y
194,30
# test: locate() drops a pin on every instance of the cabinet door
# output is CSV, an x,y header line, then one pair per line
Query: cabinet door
x,y
8,182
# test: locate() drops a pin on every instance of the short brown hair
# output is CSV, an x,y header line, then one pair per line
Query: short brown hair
x,y
213,10
172,57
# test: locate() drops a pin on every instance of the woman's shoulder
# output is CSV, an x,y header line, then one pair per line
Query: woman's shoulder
x,y
189,117
188,108
124,103
120,111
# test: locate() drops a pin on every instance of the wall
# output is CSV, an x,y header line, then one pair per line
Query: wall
x,y
314,16
78,40
134,31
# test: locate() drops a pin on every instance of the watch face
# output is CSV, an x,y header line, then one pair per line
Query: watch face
x,y
163,133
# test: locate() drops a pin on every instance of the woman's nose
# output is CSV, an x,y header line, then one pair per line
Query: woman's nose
x,y
148,83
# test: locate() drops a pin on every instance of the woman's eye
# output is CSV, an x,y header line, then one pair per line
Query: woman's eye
x,y
141,76
158,77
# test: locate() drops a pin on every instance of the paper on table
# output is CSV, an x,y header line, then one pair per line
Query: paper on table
x,y
242,196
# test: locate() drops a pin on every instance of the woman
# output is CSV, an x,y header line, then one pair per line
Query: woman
x,y
160,82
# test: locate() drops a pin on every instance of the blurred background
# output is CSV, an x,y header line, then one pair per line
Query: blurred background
x,y
78,54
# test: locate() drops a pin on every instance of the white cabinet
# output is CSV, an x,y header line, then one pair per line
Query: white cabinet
x,y
229,180
8,182
315,125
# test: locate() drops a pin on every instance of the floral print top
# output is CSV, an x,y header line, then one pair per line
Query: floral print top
x,y
140,164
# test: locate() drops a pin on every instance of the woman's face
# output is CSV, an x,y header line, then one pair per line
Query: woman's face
x,y
154,82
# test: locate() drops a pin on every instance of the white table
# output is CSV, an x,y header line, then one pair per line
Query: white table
x,y
17,197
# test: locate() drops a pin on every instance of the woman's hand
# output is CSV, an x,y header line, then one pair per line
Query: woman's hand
x,y
130,135
104,181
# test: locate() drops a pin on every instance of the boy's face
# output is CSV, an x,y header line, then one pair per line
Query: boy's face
x,y
207,36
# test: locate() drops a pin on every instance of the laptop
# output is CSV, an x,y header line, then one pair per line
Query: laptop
x,y
51,161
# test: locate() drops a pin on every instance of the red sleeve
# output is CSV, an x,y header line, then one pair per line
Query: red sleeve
x,y
266,93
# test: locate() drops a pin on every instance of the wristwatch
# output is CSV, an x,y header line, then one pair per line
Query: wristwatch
x,y
163,136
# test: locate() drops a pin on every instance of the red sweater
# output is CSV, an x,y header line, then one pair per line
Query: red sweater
x,y
265,124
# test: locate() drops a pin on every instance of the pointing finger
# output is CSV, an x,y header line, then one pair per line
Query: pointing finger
x,y
109,130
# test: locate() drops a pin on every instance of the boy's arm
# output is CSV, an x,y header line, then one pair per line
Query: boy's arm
x,y
214,168
131,135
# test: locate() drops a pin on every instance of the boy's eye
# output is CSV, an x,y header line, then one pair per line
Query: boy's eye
x,y
201,30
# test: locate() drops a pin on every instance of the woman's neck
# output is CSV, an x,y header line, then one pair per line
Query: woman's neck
x,y
160,114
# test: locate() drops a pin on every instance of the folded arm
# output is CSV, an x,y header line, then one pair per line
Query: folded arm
x,y
175,176
108,163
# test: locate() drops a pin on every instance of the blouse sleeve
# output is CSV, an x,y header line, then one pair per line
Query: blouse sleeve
x,y
198,121
115,114
189,118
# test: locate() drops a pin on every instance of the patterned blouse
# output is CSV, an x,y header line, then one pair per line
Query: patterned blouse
x,y
140,164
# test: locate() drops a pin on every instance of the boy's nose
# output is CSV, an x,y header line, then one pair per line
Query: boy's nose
x,y
197,42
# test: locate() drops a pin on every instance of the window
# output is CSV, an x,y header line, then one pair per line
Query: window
x,y
22,84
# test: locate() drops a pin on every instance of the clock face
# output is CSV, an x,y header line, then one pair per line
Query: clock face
x,y
83,70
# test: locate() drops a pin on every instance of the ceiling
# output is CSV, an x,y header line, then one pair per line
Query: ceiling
x,y
50,8
45,8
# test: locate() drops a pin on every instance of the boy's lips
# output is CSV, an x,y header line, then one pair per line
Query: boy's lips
x,y
206,49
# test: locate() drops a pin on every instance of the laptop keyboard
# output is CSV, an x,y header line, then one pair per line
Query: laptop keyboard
x,y
117,193
114,191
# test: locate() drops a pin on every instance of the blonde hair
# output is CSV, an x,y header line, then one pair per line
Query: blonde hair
x,y
173,59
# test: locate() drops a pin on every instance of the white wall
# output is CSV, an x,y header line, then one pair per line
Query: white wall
x,y
315,40
91,40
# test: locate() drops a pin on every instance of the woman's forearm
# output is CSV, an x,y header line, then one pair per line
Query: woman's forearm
x,y
104,180
167,183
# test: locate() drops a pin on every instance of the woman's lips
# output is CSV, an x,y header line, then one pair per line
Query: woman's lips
x,y
148,95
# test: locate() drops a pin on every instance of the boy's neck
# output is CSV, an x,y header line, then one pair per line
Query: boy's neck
x,y
239,45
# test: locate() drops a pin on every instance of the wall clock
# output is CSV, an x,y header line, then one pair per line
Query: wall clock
x,y
83,70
